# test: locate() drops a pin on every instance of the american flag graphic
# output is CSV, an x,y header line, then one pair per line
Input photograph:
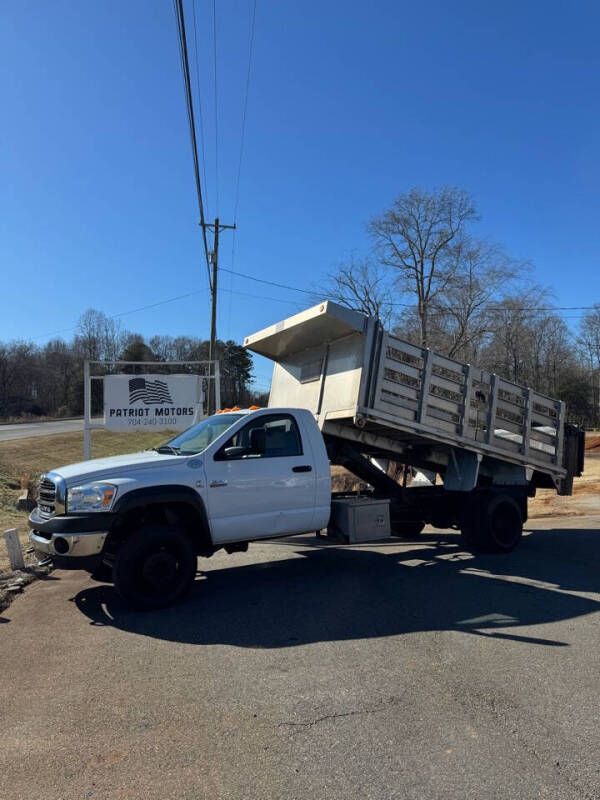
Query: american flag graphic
x,y
148,392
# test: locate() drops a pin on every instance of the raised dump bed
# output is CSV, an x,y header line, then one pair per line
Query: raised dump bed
x,y
395,400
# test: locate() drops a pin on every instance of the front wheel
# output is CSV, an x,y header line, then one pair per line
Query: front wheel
x,y
103,573
155,567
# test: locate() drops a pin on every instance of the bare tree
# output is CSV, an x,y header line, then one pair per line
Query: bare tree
x,y
589,343
99,337
483,274
163,347
89,331
58,371
18,377
558,357
589,333
511,336
112,338
417,236
363,285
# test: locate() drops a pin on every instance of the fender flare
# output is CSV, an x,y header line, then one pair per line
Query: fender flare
x,y
157,495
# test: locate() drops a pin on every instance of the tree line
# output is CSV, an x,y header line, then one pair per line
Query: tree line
x,y
427,276
47,380
431,280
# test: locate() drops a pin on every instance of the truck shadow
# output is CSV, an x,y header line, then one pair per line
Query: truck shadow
x,y
330,593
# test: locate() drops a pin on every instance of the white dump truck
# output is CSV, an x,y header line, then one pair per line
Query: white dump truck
x,y
344,392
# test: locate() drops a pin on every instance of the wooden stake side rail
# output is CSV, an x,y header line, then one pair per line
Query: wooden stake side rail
x,y
468,404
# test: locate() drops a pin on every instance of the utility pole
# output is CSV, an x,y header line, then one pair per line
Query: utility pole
x,y
216,228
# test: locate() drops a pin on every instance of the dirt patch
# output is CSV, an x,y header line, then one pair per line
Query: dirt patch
x,y
584,500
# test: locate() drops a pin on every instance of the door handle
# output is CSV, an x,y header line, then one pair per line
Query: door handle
x,y
218,483
303,468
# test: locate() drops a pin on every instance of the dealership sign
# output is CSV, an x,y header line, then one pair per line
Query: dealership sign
x,y
144,402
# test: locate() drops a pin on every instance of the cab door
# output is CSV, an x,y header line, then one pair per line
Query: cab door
x,y
261,482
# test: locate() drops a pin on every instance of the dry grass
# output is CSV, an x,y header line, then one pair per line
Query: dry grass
x,y
23,460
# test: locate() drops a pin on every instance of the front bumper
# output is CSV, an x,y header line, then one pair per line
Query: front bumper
x,y
74,542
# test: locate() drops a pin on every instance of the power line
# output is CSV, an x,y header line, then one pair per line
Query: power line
x,y
199,101
245,112
259,296
125,313
212,257
313,293
242,139
185,66
268,283
255,296
295,303
216,105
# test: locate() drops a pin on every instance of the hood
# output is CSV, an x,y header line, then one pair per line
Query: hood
x,y
112,466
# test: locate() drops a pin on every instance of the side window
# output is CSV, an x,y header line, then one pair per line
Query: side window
x,y
268,436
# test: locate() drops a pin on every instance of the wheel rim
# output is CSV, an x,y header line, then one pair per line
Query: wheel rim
x,y
506,525
159,571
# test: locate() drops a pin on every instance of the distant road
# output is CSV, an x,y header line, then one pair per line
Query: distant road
x,y
28,429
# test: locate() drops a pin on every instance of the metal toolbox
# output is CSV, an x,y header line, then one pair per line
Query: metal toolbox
x,y
360,519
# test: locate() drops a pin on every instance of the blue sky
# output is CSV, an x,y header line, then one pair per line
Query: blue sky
x,y
350,104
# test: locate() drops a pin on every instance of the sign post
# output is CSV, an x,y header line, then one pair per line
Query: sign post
x,y
148,401
87,412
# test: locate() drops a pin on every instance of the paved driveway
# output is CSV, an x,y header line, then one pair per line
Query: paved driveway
x,y
307,670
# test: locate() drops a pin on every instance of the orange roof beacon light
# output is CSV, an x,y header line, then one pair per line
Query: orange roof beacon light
x,y
237,408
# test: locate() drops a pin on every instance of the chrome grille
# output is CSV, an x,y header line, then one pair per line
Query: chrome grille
x,y
46,499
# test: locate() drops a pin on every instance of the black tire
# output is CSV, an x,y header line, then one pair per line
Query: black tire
x,y
407,530
492,523
443,521
103,573
155,567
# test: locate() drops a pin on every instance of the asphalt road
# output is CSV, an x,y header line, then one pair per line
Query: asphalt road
x,y
25,430
307,670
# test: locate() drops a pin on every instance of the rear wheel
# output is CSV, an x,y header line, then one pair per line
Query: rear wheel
x,y
407,530
492,523
155,567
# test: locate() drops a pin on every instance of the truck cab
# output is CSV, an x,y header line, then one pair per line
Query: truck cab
x,y
144,518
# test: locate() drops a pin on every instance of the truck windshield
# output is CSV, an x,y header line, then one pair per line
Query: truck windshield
x,y
198,437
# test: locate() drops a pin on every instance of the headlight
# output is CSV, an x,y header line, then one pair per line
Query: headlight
x,y
91,497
